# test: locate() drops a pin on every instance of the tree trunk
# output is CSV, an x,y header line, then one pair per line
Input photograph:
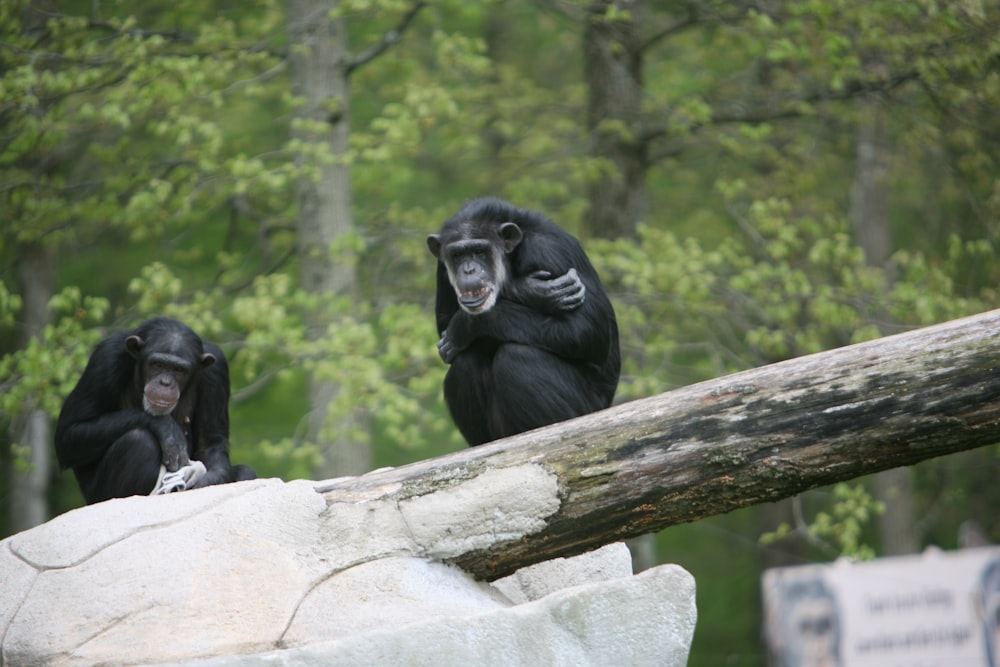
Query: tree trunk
x,y
613,62
31,430
748,438
870,220
319,64
617,195
870,191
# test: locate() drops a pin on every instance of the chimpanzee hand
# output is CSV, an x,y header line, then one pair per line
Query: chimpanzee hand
x,y
540,291
173,444
448,349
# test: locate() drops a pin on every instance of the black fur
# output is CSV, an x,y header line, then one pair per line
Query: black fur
x,y
115,447
520,365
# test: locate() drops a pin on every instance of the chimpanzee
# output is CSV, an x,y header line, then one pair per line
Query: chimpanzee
x,y
524,321
151,402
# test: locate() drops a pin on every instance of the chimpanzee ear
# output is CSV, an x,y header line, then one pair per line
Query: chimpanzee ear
x,y
207,359
134,346
434,245
511,235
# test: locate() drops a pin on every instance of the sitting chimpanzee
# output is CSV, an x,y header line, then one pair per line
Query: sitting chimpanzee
x,y
524,321
150,414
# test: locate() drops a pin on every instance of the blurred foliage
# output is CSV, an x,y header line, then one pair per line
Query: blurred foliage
x,y
839,531
150,145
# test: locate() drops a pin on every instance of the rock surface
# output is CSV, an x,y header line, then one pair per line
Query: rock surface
x,y
267,573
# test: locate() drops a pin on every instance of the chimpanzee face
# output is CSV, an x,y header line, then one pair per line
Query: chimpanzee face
x,y
165,371
475,256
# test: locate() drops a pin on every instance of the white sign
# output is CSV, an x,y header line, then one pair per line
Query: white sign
x,y
937,609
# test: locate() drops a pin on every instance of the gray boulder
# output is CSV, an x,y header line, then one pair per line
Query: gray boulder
x,y
271,573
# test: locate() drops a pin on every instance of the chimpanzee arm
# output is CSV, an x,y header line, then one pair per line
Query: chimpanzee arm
x,y
585,333
210,421
446,303
540,291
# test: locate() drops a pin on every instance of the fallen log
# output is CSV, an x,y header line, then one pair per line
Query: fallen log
x,y
709,448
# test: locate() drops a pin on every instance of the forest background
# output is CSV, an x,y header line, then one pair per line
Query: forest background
x,y
753,180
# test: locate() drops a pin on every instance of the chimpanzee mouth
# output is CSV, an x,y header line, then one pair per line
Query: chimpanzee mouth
x,y
155,407
473,300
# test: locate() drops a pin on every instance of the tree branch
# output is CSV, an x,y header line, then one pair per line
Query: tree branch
x,y
388,39
788,108
691,20
173,36
753,437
